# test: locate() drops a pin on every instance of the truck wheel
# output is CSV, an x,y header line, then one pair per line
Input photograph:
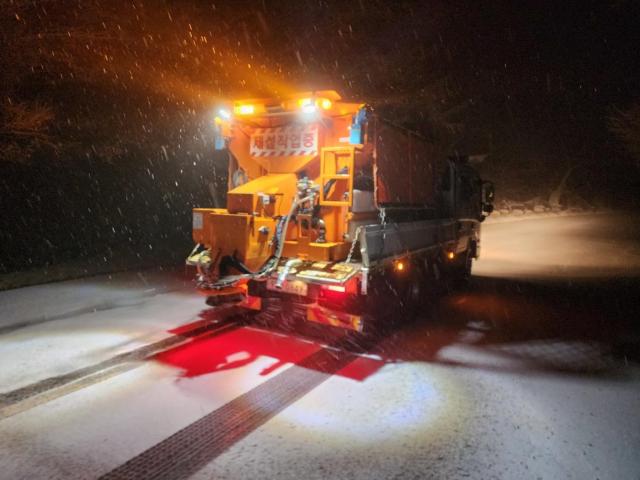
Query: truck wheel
x,y
411,293
394,300
373,327
461,269
415,293
381,306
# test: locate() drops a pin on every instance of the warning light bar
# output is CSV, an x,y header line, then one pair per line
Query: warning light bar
x,y
310,105
244,109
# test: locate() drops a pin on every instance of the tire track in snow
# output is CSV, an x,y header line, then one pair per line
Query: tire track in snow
x,y
43,391
190,449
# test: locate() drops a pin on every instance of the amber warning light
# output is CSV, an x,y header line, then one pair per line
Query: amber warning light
x,y
310,105
244,109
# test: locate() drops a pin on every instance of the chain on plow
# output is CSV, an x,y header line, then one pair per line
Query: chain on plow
x,y
356,239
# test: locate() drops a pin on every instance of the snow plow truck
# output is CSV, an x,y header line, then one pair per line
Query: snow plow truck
x,y
334,215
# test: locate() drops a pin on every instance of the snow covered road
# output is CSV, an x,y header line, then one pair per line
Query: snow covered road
x,y
532,373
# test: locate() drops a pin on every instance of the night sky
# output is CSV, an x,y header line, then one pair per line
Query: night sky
x,y
540,75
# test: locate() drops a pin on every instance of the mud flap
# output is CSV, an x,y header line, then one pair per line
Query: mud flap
x,y
318,314
226,297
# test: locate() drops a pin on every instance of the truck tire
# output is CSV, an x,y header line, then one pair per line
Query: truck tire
x,y
461,269
395,300
435,274
382,306
412,298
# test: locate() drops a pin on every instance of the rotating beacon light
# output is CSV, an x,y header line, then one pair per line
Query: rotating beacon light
x,y
311,105
244,109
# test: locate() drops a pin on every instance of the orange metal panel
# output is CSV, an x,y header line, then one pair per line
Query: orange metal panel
x,y
228,232
330,251
200,234
244,199
240,233
259,250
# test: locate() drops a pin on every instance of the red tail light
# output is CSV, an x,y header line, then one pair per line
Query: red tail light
x,y
333,293
335,288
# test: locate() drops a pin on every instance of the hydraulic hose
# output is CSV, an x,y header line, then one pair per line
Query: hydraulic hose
x,y
271,264
276,259
282,276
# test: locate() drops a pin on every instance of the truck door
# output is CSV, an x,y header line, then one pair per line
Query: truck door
x,y
468,195
448,191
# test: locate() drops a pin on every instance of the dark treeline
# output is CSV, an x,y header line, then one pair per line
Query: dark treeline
x,y
86,208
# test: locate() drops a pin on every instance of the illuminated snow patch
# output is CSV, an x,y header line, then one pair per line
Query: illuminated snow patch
x,y
383,406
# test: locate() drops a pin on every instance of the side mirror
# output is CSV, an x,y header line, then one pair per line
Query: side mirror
x,y
488,192
488,195
221,132
356,134
219,138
